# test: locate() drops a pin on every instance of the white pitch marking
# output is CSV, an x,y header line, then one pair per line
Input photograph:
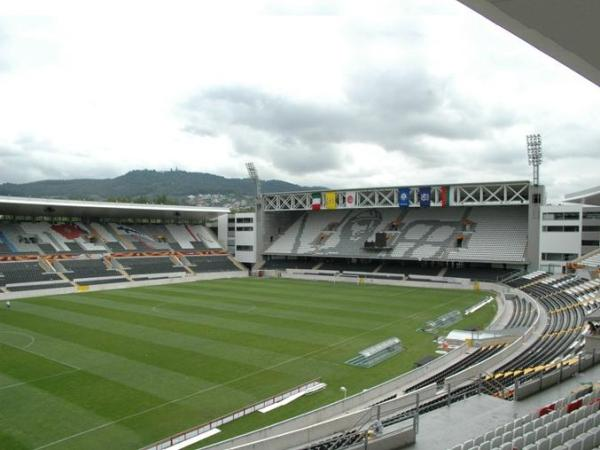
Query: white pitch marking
x,y
18,333
44,356
8,386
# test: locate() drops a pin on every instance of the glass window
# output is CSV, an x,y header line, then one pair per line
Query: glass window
x,y
591,228
558,256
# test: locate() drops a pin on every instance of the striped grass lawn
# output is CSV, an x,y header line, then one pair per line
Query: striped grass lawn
x,y
121,369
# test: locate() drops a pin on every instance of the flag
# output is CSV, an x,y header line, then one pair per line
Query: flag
x,y
444,196
425,197
404,197
330,202
316,201
350,199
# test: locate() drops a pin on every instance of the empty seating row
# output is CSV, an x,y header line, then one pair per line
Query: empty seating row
x,y
571,423
78,238
476,357
282,264
145,265
453,234
25,272
85,268
213,263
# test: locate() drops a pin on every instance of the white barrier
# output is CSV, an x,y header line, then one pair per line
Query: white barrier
x,y
123,285
213,424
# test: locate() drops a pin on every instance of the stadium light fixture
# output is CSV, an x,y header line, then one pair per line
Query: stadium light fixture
x,y
253,174
534,154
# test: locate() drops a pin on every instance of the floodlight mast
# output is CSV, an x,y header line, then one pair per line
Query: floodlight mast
x,y
253,174
258,225
534,153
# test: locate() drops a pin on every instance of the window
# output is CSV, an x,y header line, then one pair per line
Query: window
x,y
244,229
244,248
561,216
558,256
591,243
591,215
591,228
561,228
231,220
244,220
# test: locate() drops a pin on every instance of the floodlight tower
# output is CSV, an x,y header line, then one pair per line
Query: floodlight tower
x,y
536,201
534,153
258,223
253,174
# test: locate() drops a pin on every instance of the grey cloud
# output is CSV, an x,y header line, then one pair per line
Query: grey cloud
x,y
395,109
28,159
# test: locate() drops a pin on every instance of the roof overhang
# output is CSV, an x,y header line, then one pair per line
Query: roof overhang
x,y
566,30
43,207
587,197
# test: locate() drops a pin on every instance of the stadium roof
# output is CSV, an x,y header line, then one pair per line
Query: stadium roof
x,y
566,30
587,197
37,207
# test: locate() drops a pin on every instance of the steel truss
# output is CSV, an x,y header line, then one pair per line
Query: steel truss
x,y
484,194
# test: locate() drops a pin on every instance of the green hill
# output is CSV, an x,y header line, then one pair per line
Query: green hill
x,y
175,184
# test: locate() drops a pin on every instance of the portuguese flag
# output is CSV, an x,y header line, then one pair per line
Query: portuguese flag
x,y
316,201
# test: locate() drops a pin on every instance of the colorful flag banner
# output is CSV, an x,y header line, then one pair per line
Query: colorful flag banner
x,y
350,199
404,197
425,197
316,201
330,202
444,196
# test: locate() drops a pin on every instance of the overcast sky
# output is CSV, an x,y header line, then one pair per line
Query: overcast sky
x,y
340,94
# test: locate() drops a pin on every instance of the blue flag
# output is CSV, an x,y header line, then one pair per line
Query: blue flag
x,y
404,197
425,197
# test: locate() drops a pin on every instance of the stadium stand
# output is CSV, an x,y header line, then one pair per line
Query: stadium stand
x,y
75,269
43,238
485,234
342,266
471,359
592,260
148,265
282,264
213,263
67,254
569,423
25,272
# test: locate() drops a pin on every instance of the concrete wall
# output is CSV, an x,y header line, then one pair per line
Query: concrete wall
x,y
330,414
124,285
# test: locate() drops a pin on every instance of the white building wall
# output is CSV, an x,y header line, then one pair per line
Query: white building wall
x,y
222,230
245,237
560,236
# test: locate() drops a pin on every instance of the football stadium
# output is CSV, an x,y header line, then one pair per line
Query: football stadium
x,y
441,316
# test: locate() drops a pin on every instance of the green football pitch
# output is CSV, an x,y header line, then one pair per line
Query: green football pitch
x,y
121,369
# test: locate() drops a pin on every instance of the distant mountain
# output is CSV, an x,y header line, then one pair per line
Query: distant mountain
x,y
148,184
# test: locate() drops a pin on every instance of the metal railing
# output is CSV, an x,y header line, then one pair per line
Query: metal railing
x,y
195,431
